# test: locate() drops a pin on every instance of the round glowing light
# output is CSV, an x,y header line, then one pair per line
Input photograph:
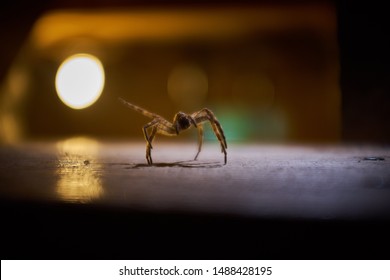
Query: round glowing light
x,y
80,81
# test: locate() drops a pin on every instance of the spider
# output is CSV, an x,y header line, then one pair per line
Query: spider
x,y
181,121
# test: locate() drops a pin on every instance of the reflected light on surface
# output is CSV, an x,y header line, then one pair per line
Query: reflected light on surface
x,y
79,174
187,86
80,81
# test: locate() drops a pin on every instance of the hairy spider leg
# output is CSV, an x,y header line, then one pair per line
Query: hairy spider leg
x,y
200,139
159,126
149,146
145,131
207,115
138,109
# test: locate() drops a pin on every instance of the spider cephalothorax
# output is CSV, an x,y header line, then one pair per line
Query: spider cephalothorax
x,y
181,121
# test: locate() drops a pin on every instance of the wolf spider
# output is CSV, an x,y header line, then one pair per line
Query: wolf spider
x,y
181,121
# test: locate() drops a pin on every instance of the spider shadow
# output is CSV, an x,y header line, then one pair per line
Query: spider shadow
x,y
183,164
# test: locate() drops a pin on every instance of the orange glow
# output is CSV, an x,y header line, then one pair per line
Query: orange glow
x,y
268,68
118,25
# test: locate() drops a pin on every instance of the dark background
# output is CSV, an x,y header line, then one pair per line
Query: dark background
x,y
272,69
363,52
364,60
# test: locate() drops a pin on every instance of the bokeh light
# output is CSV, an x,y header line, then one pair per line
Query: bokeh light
x,y
80,81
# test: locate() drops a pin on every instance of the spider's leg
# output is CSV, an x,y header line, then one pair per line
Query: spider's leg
x,y
160,126
149,146
221,136
200,139
166,128
207,115
145,130
149,139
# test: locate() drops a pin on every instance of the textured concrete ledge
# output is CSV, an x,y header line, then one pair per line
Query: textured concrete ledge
x,y
320,182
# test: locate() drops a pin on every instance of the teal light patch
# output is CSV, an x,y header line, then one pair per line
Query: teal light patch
x,y
236,124
246,124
